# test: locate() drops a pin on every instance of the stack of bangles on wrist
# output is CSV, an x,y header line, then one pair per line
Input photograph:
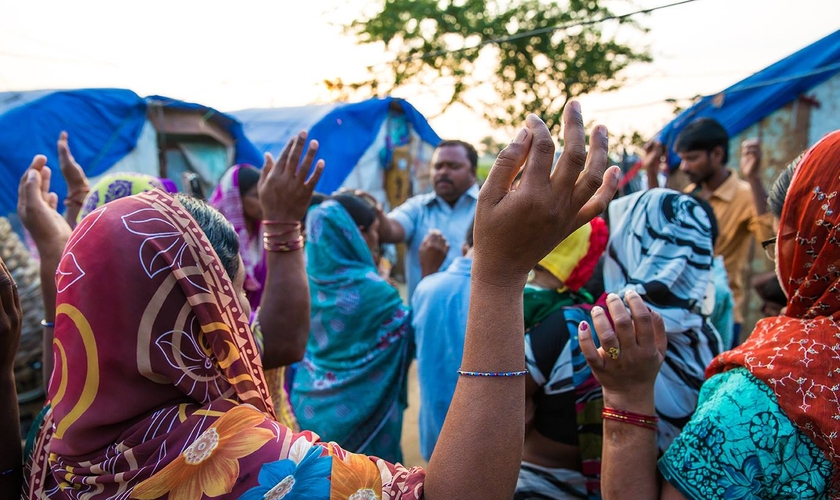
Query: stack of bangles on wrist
x,y
518,373
73,197
277,234
647,421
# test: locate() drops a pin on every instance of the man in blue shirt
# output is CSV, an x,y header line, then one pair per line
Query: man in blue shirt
x,y
437,221
441,303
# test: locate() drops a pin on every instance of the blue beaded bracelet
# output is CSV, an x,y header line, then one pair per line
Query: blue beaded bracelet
x,y
13,470
492,374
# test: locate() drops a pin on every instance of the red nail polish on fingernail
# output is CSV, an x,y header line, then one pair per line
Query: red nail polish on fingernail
x,y
584,326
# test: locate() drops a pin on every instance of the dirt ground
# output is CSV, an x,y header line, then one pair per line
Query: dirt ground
x,y
411,429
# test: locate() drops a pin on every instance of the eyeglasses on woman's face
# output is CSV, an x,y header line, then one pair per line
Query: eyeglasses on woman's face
x,y
769,247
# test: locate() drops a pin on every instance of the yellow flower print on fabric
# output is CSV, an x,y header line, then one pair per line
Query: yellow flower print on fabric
x,y
210,465
355,478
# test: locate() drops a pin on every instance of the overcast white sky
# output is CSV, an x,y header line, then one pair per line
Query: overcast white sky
x,y
262,53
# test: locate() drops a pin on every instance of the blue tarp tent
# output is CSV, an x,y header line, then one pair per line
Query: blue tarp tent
x,y
346,132
104,126
756,97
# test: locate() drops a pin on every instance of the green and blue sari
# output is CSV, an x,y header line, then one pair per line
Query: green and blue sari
x,y
351,385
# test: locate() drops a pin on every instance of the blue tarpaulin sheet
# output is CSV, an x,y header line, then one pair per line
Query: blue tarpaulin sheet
x,y
344,130
104,126
759,95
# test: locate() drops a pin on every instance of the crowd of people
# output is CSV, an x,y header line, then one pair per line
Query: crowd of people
x,y
570,344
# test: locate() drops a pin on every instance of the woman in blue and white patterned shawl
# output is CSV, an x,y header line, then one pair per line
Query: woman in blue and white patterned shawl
x,y
661,247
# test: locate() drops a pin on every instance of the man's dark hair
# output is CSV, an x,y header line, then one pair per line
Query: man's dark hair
x,y
218,230
468,239
704,134
778,193
472,154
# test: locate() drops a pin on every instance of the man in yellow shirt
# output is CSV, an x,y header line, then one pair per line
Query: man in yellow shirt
x,y
739,205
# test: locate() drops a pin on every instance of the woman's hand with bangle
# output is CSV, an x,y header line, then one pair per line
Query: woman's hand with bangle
x,y
285,187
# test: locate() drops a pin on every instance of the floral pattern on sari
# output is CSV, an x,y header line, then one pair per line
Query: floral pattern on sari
x,y
158,390
741,445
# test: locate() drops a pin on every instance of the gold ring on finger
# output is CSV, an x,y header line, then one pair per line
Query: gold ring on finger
x,y
613,352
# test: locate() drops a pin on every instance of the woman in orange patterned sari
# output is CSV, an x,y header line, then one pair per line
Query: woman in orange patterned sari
x,y
158,390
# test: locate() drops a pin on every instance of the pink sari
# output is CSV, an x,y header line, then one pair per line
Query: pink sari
x,y
158,389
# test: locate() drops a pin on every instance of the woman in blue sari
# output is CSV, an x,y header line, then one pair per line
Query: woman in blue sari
x,y
351,385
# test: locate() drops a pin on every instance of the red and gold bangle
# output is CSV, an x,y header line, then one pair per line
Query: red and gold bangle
x,y
647,421
283,246
267,234
295,224
71,197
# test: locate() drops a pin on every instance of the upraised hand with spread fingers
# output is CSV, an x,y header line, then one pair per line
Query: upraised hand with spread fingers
x,y
285,185
480,447
285,189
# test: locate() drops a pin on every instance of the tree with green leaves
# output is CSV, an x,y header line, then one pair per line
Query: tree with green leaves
x,y
563,53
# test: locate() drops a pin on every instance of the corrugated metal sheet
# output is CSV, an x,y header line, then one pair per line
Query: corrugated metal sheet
x,y
785,134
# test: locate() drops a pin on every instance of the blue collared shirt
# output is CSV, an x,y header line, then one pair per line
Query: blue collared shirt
x,y
424,212
441,304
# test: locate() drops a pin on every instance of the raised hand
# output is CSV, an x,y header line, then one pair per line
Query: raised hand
x,y
74,176
751,158
284,189
631,352
514,229
654,155
77,182
433,252
37,209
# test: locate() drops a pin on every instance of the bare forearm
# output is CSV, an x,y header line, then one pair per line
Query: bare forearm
x,y
390,231
628,463
652,178
72,213
284,310
759,195
10,449
484,428
427,268
49,264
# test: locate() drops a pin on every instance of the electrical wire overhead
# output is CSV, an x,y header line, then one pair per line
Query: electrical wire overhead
x,y
541,31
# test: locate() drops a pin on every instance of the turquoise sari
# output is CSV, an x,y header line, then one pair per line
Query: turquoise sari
x,y
351,385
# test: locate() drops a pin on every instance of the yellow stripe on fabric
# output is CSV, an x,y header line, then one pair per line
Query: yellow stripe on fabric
x,y
92,378
240,378
212,327
62,385
209,413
